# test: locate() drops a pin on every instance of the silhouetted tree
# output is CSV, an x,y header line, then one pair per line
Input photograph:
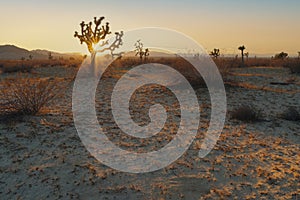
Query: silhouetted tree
x,y
281,55
147,53
242,48
247,55
215,53
50,57
140,51
92,36
30,57
298,54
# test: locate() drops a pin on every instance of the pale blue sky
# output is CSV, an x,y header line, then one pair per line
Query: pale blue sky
x,y
264,27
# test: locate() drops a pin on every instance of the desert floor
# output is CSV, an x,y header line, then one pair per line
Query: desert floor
x,y
42,157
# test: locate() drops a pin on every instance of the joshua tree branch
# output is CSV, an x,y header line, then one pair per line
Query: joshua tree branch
x,y
92,37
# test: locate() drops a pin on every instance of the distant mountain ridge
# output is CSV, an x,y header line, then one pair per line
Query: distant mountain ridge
x,y
12,52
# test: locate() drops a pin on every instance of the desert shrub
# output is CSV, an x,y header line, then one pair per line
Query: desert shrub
x,y
224,68
10,66
225,63
278,62
281,55
257,62
28,95
290,114
16,68
293,65
246,113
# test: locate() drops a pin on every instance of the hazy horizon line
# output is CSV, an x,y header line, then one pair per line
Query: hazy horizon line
x,y
251,55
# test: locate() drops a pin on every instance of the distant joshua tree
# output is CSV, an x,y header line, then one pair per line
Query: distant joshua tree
x,y
50,57
247,55
91,37
140,51
30,57
281,55
242,48
215,53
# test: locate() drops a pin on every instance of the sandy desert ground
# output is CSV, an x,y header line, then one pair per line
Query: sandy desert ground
x,y
42,157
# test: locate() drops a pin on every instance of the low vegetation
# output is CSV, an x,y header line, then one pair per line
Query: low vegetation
x,y
293,65
226,63
291,114
12,66
246,113
28,95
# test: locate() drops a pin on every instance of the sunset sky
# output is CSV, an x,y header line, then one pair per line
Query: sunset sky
x,y
264,27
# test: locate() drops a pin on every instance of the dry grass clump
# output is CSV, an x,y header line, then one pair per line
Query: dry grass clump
x,y
261,62
293,65
28,95
227,62
291,114
15,66
246,113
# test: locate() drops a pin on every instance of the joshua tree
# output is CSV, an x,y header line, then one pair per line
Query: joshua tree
x,y
92,36
215,53
298,54
30,57
140,51
50,56
247,55
242,48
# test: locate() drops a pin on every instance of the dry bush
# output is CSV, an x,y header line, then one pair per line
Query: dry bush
x,y
9,66
60,62
291,114
227,62
246,113
28,95
225,65
278,62
293,65
258,62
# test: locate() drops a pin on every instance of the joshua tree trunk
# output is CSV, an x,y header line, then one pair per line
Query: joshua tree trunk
x,y
242,48
93,63
242,57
